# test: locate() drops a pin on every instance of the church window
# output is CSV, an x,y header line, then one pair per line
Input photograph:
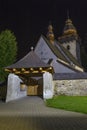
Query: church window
x,y
68,47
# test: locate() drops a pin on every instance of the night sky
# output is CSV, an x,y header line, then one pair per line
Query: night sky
x,y
28,19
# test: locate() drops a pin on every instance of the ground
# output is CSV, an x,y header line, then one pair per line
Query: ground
x,y
30,113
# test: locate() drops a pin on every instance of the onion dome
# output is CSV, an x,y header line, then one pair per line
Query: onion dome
x,y
50,34
69,28
69,32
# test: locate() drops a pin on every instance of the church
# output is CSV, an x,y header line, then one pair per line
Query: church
x,y
63,54
58,57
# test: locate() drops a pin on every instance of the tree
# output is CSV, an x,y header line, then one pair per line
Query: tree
x,y
8,51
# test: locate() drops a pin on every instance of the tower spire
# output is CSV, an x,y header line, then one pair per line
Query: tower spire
x,y
68,14
69,27
50,34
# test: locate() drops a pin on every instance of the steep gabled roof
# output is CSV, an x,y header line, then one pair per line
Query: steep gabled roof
x,y
54,49
30,60
63,54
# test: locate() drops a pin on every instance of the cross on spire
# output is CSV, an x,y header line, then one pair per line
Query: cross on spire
x,y
68,14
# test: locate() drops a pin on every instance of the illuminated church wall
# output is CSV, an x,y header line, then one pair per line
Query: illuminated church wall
x,y
72,47
45,53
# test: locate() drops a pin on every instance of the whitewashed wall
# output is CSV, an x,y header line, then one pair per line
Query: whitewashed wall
x,y
48,86
45,53
13,88
72,45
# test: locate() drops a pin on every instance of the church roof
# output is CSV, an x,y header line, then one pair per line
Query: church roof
x,y
63,54
68,38
30,60
69,76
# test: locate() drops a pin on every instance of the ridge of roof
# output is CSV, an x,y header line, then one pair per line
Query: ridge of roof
x,y
69,66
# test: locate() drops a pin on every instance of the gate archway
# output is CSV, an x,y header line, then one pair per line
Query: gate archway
x,y
30,68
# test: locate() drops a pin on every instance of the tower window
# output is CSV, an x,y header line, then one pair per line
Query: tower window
x,y
68,47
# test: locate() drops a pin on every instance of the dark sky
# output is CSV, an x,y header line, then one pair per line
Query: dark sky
x,y
28,19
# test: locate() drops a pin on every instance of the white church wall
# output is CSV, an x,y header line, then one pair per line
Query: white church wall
x,y
44,52
13,88
72,49
74,87
48,86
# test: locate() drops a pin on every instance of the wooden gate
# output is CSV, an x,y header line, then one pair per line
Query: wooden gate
x,y
35,87
34,90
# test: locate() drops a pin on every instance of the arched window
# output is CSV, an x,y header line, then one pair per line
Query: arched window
x,y
68,47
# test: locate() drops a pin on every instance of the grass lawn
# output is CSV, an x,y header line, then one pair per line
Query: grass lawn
x,y
70,103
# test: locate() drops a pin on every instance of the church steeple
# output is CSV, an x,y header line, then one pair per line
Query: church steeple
x,y
50,34
70,38
67,14
69,27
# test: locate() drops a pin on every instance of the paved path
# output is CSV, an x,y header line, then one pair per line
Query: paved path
x,y
30,113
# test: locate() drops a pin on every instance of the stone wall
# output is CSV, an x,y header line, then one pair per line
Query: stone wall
x,y
76,87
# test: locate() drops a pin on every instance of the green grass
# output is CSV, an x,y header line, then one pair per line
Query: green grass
x,y
70,103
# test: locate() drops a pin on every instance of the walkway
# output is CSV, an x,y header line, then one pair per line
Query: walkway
x,y
30,113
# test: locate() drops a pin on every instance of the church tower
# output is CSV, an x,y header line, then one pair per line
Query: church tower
x,y
70,39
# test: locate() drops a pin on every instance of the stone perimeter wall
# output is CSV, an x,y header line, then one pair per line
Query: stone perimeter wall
x,y
70,87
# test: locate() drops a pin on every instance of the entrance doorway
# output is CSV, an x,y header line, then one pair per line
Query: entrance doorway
x,y
35,87
34,90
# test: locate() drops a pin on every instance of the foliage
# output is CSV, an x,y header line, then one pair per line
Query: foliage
x,y
3,91
71,103
8,51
